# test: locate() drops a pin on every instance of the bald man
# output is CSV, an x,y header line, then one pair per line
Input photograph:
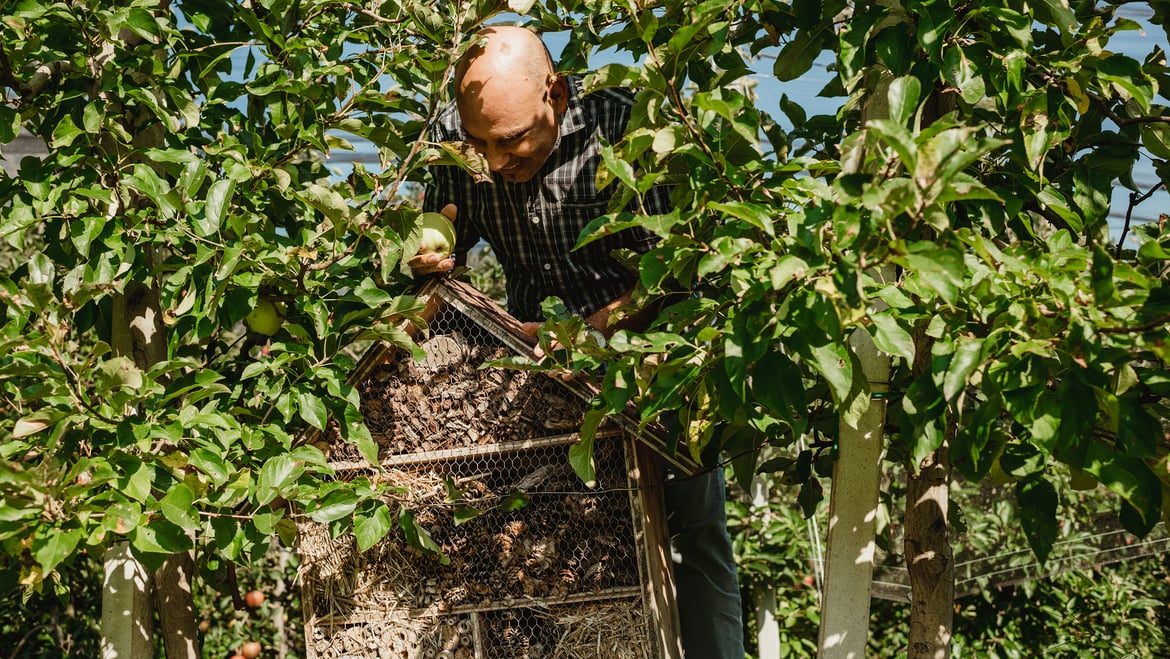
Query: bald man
x,y
541,136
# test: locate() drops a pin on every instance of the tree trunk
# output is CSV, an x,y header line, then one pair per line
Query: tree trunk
x,y
176,606
929,557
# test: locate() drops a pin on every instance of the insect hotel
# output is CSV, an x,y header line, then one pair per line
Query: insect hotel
x,y
531,562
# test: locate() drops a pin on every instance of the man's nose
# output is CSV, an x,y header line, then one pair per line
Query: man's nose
x,y
497,158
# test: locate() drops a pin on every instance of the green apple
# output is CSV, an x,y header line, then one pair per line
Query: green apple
x,y
265,318
438,234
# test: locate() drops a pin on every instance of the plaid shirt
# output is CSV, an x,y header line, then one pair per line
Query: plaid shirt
x,y
533,226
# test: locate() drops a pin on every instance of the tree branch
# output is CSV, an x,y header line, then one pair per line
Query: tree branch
x,y
1134,200
1147,326
1127,121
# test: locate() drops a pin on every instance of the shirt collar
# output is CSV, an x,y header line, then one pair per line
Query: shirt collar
x,y
574,117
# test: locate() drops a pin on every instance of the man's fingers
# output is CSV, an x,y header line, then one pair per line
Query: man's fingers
x,y
450,211
427,264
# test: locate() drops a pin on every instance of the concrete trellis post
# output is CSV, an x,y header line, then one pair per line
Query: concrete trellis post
x,y
127,606
853,508
767,627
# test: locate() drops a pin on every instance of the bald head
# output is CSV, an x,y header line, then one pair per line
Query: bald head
x,y
502,55
510,100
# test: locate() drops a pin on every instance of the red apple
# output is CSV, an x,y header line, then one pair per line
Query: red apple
x,y
254,598
250,650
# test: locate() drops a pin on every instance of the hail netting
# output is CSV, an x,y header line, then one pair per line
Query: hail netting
x,y
531,563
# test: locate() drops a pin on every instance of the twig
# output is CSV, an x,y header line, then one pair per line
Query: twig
x,y
1134,200
24,639
1147,326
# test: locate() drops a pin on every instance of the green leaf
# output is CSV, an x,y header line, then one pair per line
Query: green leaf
x,y
940,269
835,364
50,546
1126,76
333,506
614,75
64,133
418,536
278,473
1102,275
959,72
1156,138
467,158
778,384
904,94
9,124
117,372
312,410
798,55
371,294
1128,477
1038,503
787,268
890,337
218,469
613,166
1061,15
757,215
268,522
158,539
515,501
1014,23
899,138
327,200
219,198
964,361
36,422
581,453
143,23
369,528
177,506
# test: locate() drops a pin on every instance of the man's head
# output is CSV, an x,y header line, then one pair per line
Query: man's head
x,y
510,100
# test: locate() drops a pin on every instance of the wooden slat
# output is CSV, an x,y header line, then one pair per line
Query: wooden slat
x,y
488,315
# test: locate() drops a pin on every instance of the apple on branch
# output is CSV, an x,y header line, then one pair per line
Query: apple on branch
x,y
266,317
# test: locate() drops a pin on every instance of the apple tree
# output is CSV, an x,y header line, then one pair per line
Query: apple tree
x,y
190,279
954,208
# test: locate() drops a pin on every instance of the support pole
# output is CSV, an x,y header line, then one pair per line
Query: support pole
x,y
767,627
853,508
127,612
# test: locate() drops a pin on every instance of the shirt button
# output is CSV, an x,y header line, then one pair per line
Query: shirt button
x,y
535,219
548,266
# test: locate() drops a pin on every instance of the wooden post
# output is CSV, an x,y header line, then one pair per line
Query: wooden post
x,y
853,518
127,627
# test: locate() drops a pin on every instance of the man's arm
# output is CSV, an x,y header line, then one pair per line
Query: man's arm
x,y
636,321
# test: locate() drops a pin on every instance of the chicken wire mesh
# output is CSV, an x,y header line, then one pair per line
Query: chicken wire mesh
x,y
530,562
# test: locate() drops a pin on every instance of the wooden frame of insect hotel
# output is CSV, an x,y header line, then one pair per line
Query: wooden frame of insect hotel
x,y
525,561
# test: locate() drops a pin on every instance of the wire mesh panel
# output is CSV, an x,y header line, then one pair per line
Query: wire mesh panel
x,y
525,561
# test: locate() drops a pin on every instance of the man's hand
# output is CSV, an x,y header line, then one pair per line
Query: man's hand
x,y
428,264
531,329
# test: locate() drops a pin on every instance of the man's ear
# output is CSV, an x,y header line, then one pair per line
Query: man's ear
x,y
558,93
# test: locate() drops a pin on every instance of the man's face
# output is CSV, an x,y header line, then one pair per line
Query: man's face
x,y
514,125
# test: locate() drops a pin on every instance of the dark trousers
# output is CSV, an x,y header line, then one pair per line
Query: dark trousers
x,y
709,608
